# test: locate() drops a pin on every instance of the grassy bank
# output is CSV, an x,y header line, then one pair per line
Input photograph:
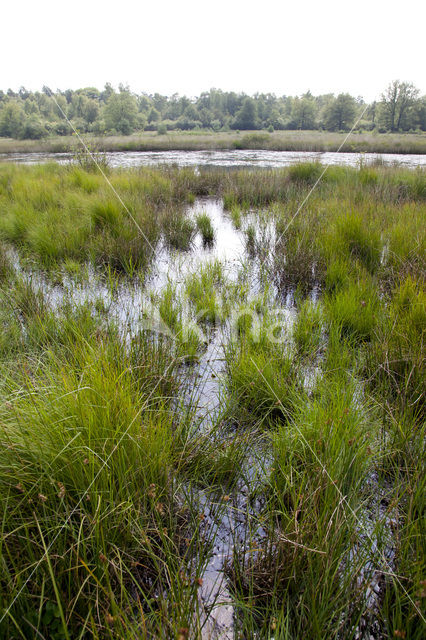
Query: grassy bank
x,y
119,480
208,140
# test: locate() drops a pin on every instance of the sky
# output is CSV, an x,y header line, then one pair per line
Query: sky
x,y
190,46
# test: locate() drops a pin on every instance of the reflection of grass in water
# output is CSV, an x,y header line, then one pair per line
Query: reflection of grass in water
x,y
74,382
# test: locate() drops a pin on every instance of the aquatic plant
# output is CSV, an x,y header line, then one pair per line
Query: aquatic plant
x,y
203,291
205,227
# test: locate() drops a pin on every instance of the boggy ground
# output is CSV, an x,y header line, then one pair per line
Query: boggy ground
x,y
116,476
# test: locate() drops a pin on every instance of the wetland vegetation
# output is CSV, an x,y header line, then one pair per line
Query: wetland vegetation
x,y
252,419
322,141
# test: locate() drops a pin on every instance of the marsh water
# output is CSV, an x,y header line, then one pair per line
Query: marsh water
x,y
227,158
129,304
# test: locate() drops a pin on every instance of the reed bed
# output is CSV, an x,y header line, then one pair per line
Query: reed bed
x,y
358,142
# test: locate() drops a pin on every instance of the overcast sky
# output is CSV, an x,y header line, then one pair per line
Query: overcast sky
x,y
189,46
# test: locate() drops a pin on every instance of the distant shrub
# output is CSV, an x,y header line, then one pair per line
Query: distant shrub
x,y
186,124
34,129
99,127
171,125
252,141
62,128
161,129
124,126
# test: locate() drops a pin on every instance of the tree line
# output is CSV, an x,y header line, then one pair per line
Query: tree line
x,y
33,115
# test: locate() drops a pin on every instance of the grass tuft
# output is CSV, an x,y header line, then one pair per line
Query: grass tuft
x,y
205,227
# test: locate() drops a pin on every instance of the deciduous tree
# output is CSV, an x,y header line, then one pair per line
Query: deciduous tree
x,y
121,112
397,102
340,112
